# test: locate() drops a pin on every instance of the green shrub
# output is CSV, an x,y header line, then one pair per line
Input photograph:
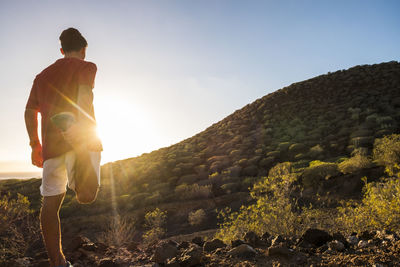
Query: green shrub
x,y
197,217
284,146
273,154
315,152
193,191
18,228
387,153
313,175
266,162
272,212
365,141
355,163
297,148
251,170
380,208
188,179
138,199
155,224
230,188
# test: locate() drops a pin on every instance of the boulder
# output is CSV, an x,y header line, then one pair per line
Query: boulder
x,y
252,239
191,257
316,237
164,251
243,250
77,242
339,237
336,245
353,240
213,245
277,240
280,251
237,242
198,240
363,244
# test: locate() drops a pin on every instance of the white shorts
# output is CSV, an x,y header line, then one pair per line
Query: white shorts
x,y
58,172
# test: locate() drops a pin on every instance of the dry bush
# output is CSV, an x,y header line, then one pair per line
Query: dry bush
x,y
319,171
197,217
155,223
379,209
18,227
119,232
387,153
355,163
193,191
274,210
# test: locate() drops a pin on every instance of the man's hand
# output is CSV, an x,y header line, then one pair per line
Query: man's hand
x,y
37,157
74,135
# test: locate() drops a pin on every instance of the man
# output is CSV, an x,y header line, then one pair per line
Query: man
x,y
64,86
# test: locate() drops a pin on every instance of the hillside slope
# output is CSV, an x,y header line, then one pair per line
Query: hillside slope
x,y
323,118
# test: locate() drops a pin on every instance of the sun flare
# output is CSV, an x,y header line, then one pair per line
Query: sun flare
x,y
124,129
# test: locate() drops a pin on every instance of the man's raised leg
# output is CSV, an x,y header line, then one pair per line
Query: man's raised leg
x,y
51,229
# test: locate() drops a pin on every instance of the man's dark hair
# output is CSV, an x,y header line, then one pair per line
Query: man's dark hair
x,y
72,40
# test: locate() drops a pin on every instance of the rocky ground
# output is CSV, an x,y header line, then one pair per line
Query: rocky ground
x,y
314,248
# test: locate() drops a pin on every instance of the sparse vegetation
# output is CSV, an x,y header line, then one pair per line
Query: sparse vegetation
x,y
17,226
197,217
357,162
155,224
273,211
119,232
387,153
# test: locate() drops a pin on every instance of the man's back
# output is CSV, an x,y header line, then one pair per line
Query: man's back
x,y
55,90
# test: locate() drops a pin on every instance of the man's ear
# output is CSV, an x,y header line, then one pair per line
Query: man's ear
x,y
62,51
83,52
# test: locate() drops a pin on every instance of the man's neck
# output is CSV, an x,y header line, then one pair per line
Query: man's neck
x,y
73,55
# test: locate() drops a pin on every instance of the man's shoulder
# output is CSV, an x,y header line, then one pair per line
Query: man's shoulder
x,y
68,64
90,65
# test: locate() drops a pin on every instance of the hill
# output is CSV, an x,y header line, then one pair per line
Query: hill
x,y
324,118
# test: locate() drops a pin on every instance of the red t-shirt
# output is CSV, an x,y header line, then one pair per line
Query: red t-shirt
x,y
50,91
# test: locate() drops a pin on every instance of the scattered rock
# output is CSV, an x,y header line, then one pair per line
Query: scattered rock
x,y
277,240
323,248
164,251
242,250
173,262
184,245
108,262
316,237
280,251
213,245
366,235
89,246
252,239
237,242
363,244
265,236
191,257
77,242
300,259
341,238
198,240
353,240
336,245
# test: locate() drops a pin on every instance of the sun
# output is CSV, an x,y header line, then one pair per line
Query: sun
x,y
124,129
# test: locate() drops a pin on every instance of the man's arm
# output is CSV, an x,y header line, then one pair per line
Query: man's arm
x,y
31,123
82,132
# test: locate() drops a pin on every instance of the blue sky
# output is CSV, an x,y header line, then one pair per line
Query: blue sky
x,y
169,69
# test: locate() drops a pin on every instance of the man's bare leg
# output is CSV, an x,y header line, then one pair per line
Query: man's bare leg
x,y
51,230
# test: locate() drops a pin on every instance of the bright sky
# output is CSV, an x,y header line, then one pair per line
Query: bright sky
x,y
169,69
